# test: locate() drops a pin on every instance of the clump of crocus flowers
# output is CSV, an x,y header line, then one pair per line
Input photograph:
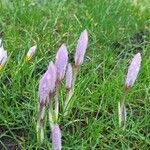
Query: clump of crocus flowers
x,y
50,86
133,71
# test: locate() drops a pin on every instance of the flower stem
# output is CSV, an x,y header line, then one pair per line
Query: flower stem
x,y
122,114
57,100
50,112
70,92
40,123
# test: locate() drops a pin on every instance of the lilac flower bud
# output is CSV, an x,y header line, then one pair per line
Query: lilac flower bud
x,y
69,77
61,61
47,84
31,52
56,137
81,48
3,57
133,70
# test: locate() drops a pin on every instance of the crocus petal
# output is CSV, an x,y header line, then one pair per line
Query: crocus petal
x,y
47,84
31,52
133,70
61,61
52,73
81,48
69,77
43,91
56,137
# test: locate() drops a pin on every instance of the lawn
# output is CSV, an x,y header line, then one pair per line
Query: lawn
x,y
117,29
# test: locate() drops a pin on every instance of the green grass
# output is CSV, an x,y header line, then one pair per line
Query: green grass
x,y
93,120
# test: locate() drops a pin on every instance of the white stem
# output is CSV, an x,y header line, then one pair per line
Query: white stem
x,y
57,100
40,123
50,116
122,113
68,97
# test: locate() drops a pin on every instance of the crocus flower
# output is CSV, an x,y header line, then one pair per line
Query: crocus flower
x,y
47,84
61,62
56,137
133,70
69,77
81,48
31,52
3,57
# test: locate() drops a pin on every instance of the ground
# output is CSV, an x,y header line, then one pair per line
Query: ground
x,y
117,29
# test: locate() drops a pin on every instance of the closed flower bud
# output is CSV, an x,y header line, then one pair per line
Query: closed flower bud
x,y
3,57
81,48
47,84
31,52
133,70
61,62
69,77
56,137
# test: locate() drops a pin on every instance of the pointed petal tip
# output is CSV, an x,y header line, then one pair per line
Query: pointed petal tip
x,y
51,63
33,47
85,31
63,48
139,54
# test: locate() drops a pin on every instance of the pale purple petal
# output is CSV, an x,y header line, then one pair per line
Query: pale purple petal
x,y
133,70
52,73
43,90
56,137
69,77
61,61
81,48
47,83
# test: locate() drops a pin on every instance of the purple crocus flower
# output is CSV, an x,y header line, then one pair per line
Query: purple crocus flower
x,y
69,77
47,84
56,137
61,61
81,48
133,70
